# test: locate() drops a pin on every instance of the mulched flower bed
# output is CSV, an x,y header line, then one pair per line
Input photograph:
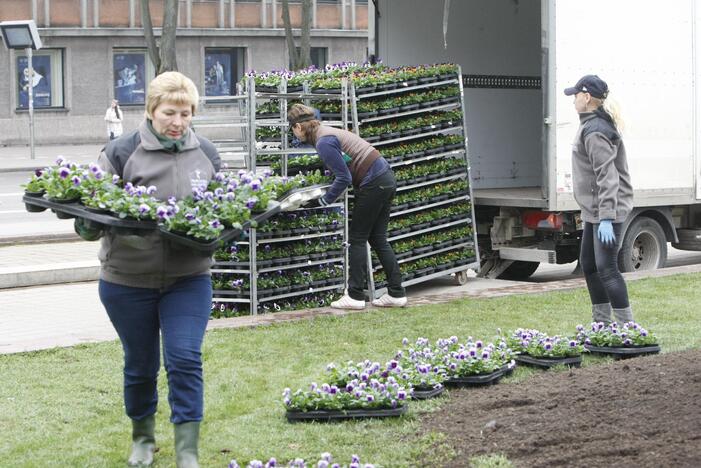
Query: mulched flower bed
x,y
641,412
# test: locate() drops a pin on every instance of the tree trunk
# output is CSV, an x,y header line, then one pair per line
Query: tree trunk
x,y
170,25
148,35
305,46
291,48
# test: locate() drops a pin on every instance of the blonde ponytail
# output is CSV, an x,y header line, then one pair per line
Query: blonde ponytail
x,y
612,108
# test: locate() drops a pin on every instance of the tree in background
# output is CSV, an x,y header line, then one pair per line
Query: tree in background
x,y
301,59
163,57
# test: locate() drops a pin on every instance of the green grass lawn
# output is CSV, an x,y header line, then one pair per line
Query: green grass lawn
x,y
63,407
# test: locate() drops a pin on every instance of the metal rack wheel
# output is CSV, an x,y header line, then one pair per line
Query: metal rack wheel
x,y
460,277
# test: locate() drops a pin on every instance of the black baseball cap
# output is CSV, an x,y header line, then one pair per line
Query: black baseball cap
x,y
591,84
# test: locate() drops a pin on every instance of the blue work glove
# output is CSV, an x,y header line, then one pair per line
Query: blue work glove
x,y
606,234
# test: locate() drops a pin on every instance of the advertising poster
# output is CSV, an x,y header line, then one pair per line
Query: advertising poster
x,y
129,78
218,74
40,82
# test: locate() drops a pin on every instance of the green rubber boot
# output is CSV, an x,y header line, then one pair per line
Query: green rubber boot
x,y
601,313
186,437
143,441
623,315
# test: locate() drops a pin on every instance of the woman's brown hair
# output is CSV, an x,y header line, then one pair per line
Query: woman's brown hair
x,y
305,117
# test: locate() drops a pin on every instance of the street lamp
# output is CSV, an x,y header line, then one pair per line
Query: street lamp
x,y
24,35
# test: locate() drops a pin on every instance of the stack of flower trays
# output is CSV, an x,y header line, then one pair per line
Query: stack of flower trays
x,y
299,261
414,118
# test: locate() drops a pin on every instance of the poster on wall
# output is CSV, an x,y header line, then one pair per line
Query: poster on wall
x,y
129,78
40,82
218,73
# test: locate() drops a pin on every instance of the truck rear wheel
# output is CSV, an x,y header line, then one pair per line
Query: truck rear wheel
x,y
519,270
644,246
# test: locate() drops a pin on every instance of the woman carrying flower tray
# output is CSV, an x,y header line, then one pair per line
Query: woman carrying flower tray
x,y
354,161
151,288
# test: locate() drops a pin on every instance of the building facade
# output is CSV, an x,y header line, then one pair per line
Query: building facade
x,y
94,51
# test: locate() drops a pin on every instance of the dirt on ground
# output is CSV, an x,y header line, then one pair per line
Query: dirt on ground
x,y
639,412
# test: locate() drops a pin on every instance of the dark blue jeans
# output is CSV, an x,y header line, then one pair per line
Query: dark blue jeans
x,y
370,217
180,313
600,266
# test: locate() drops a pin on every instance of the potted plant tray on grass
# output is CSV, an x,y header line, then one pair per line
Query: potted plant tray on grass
x,y
537,349
619,341
354,401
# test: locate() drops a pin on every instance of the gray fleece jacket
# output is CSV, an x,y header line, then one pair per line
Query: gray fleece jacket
x,y
600,175
151,261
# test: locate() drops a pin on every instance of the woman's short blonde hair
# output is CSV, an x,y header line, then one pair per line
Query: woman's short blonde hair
x,y
172,87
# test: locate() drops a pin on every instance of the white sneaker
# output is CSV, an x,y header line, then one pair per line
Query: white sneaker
x,y
347,302
388,301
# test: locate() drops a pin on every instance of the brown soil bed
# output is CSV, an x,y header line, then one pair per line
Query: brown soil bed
x,y
642,412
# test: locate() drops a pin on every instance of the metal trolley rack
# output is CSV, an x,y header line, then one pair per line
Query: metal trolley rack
x,y
429,248
408,111
252,149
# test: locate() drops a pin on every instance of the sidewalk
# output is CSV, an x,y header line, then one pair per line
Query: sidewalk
x,y
17,158
66,315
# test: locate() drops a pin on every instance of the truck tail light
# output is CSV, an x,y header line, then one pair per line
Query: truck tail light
x,y
542,221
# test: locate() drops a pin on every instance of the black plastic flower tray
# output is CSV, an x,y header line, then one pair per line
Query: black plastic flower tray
x,y
76,210
623,352
323,415
474,380
425,394
227,235
203,246
547,363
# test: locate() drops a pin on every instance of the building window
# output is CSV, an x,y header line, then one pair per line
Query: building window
x,y
222,69
47,82
132,70
318,55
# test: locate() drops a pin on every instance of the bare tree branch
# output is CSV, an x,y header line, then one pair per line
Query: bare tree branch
x,y
291,48
305,46
148,35
170,25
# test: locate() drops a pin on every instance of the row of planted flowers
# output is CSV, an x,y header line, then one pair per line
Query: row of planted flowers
x,y
366,77
404,151
411,100
325,461
407,126
416,370
228,201
225,309
420,369
428,217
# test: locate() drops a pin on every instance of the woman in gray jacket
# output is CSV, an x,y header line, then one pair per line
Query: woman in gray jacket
x,y
151,289
604,193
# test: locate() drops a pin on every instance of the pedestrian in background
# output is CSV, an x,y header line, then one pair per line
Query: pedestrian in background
x,y
152,289
603,191
114,117
355,161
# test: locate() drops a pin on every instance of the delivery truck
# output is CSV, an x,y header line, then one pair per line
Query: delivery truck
x,y
517,57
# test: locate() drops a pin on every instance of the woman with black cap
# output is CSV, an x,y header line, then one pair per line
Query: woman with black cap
x,y
604,194
355,161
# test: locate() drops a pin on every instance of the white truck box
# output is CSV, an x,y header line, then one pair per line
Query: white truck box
x,y
520,125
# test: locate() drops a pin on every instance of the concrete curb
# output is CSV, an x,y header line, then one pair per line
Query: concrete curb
x,y
231,163
39,239
40,275
20,169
